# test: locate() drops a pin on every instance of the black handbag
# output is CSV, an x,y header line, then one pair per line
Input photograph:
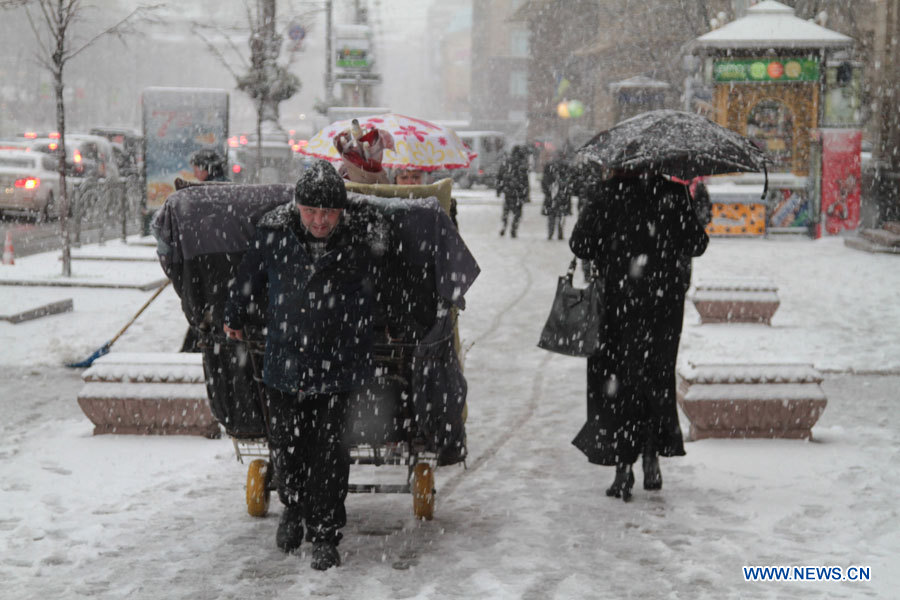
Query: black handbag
x,y
576,318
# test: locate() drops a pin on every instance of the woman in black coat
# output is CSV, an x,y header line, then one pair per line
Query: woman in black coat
x,y
640,230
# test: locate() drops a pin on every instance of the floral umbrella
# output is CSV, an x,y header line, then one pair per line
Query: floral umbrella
x,y
418,144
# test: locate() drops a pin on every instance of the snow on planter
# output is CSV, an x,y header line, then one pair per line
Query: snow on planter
x,y
148,393
751,400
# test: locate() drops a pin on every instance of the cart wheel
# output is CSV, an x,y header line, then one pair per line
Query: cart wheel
x,y
257,491
423,491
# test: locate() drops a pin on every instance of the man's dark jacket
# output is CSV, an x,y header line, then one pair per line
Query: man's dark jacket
x,y
319,310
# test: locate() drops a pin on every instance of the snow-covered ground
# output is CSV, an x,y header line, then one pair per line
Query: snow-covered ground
x,y
164,517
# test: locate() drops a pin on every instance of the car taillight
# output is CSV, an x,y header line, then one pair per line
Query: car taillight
x,y
243,140
53,145
235,169
28,183
77,156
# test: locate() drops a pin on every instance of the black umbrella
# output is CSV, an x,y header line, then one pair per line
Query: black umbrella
x,y
676,143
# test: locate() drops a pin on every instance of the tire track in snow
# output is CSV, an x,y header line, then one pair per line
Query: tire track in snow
x,y
536,385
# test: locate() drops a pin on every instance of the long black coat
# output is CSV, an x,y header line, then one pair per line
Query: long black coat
x,y
641,232
512,178
558,185
319,310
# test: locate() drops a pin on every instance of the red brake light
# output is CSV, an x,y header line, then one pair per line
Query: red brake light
x,y
53,145
54,135
235,168
31,135
77,156
28,183
295,147
233,142
243,140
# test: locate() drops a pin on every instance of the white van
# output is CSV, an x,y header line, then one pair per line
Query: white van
x,y
490,147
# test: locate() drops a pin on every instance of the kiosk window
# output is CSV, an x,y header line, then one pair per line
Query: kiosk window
x,y
771,126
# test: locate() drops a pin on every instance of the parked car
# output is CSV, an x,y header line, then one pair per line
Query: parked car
x,y
29,183
129,152
86,155
489,147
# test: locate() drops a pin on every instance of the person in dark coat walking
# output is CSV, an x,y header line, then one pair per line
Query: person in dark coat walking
x,y
208,165
639,230
557,183
512,182
317,268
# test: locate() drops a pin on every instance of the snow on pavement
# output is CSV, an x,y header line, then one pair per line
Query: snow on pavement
x,y
150,517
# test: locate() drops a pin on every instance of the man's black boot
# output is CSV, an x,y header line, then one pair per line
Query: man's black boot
x,y
290,529
324,556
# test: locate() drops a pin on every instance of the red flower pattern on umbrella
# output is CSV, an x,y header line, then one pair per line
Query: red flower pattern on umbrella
x,y
418,143
409,130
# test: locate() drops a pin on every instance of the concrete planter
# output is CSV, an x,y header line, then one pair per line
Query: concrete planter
x,y
148,393
736,301
751,401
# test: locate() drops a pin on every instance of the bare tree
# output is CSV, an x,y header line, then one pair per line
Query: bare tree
x,y
56,26
260,75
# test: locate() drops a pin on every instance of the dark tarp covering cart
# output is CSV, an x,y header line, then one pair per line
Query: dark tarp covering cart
x,y
413,412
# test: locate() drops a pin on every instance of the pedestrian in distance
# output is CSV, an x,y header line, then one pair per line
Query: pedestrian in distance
x,y
410,176
557,183
317,267
512,182
208,165
639,230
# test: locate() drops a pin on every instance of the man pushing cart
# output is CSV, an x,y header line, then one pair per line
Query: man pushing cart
x,y
330,283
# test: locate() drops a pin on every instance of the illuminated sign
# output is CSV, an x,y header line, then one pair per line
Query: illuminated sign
x,y
766,69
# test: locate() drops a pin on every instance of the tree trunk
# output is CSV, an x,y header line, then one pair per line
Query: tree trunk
x,y
259,119
886,156
64,199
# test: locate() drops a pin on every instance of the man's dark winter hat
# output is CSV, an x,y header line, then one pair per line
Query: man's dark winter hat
x,y
207,159
321,186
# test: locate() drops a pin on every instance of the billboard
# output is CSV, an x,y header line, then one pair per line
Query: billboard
x,y
177,122
352,49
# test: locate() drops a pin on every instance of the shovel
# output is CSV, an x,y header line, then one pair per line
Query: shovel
x,y
104,349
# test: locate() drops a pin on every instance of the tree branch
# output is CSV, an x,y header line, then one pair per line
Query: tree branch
x,y
196,28
120,28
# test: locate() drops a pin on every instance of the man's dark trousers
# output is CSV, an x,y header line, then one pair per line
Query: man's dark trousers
x,y
312,462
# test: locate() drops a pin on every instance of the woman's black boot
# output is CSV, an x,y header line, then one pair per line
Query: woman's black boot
x,y
652,474
622,484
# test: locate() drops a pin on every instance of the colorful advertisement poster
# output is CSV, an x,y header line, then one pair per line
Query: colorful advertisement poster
x,y
177,123
789,208
737,218
841,174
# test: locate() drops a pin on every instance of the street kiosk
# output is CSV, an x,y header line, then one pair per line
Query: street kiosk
x,y
791,86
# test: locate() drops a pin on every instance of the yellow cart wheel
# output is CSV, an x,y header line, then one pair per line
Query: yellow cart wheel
x,y
257,492
423,491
